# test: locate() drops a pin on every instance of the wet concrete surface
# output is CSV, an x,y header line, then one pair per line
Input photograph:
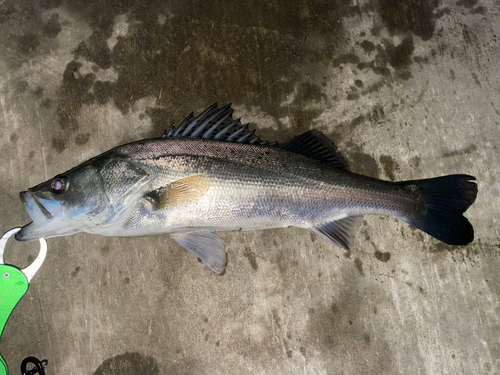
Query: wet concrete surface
x,y
406,90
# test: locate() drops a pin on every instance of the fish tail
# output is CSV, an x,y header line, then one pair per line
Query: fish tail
x,y
443,200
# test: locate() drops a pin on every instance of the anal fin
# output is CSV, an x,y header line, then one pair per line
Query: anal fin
x,y
341,232
205,245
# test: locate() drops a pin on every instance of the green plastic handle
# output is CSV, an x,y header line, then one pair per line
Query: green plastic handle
x,y
13,286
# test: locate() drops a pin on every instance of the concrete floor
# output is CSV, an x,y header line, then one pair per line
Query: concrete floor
x,y
407,90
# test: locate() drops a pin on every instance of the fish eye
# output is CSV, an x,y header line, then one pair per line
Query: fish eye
x,y
58,185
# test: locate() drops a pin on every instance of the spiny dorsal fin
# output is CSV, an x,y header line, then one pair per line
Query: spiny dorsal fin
x,y
217,124
316,145
180,192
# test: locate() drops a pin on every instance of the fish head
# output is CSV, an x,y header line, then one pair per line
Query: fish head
x,y
64,204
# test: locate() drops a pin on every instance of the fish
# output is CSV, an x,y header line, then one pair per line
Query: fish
x,y
213,174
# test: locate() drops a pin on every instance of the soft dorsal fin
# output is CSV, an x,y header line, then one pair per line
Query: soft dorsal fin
x,y
316,145
216,124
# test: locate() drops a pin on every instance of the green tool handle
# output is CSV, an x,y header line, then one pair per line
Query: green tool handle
x,y
13,286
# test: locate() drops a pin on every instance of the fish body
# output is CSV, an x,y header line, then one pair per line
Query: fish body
x,y
213,174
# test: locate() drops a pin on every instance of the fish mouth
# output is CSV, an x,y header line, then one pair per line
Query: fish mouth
x,y
33,206
38,213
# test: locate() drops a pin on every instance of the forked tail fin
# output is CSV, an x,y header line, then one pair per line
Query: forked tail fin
x,y
444,199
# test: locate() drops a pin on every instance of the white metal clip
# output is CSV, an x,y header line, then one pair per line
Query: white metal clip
x,y
33,268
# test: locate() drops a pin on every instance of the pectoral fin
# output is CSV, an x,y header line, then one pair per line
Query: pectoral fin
x,y
180,192
205,245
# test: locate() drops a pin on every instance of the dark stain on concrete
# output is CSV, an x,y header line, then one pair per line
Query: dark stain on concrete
x,y
414,16
27,43
313,236
82,138
403,75
389,55
467,3
476,79
76,271
27,31
421,60
467,35
399,56
377,114
479,10
7,10
358,83
337,328
442,12
352,96
13,138
276,318
206,53
22,87
38,93
349,58
452,74
389,166
361,162
367,46
309,93
367,338
415,161
73,93
467,150
46,103
252,259
359,265
496,110
105,250
50,4
439,247
357,121
52,27
285,264
130,364
383,257
96,50
58,144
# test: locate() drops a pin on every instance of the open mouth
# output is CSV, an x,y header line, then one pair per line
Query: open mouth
x,y
38,213
34,207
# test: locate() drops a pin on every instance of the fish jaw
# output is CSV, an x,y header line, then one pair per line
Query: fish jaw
x,y
44,224
35,209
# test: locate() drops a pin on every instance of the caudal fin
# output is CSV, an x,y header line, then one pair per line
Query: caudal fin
x,y
446,199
